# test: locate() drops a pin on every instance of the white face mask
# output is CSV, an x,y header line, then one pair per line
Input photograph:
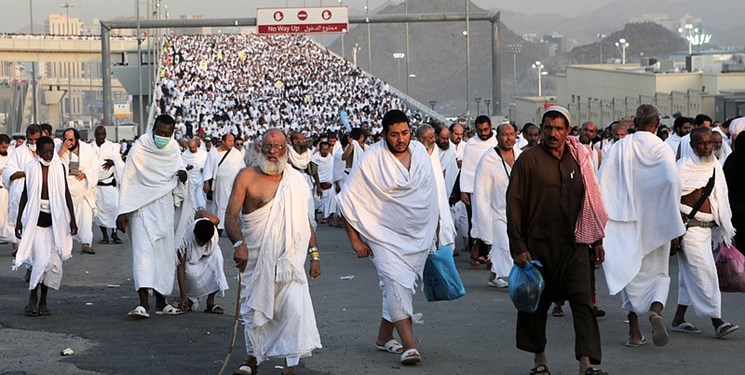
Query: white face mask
x,y
45,163
32,147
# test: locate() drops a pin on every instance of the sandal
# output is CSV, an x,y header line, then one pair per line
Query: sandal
x,y
410,357
725,329
31,310
595,371
88,251
660,336
474,262
630,344
215,309
392,346
117,241
246,368
103,241
685,327
44,311
540,369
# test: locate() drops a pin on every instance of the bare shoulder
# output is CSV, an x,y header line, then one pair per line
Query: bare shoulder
x,y
246,175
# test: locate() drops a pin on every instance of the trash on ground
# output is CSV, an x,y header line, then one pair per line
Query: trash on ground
x,y
348,277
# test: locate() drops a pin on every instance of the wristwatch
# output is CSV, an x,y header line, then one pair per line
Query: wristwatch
x,y
239,243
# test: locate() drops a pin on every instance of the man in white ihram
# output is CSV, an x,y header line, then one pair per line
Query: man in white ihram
x,y
111,167
14,176
489,202
272,202
152,186
81,164
389,205
426,136
221,167
195,158
640,190
325,161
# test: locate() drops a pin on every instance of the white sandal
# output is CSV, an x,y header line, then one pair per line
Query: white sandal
x,y
392,346
139,312
410,357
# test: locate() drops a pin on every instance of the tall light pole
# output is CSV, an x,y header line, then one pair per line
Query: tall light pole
x,y
33,66
342,41
538,67
433,103
355,50
695,36
478,106
408,54
369,37
67,5
622,44
515,49
467,34
487,102
601,36
688,31
398,56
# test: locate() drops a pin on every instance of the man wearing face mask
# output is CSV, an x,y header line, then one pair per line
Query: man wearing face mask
x,y
13,175
152,186
81,164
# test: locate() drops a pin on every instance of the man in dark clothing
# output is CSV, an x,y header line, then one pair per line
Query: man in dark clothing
x,y
544,202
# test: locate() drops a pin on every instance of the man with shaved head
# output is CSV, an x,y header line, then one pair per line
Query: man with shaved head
x,y
270,253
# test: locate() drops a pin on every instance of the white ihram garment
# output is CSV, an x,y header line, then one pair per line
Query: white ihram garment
x,y
83,192
107,197
16,162
489,202
196,180
395,211
44,249
149,192
326,174
6,228
223,176
447,226
699,284
275,300
640,190
204,265
449,166
472,153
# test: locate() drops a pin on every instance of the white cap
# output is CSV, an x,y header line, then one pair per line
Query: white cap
x,y
562,110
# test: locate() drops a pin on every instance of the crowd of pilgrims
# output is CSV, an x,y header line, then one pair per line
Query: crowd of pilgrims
x,y
244,84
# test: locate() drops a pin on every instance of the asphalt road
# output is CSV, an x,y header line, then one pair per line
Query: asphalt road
x,y
473,335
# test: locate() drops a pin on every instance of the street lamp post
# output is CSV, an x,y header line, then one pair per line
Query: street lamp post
x,y
369,37
355,49
432,104
487,102
622,44
67,5
515,49
538,67
467,34
695,36
399,56
478,105
601,37
33,67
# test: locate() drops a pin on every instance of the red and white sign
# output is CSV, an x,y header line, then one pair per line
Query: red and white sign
x,y
311,20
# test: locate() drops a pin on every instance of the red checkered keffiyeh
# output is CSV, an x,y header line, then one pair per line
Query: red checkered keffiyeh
x,y
592,217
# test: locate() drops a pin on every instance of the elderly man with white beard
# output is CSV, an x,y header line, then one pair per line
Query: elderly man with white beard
x,y
699,284
448,160
81,163
270,253
489,202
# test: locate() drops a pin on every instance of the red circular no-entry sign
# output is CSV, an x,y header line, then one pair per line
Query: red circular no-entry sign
x,y
302,15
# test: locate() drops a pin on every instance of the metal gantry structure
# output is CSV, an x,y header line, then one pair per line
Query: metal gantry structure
x,y
108,26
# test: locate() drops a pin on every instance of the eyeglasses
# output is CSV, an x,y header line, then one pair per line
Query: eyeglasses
x,y
268,147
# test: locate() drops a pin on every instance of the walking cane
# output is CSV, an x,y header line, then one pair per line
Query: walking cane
x,y
235,323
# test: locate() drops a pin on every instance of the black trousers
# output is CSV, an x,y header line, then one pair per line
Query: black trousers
x,y
566,274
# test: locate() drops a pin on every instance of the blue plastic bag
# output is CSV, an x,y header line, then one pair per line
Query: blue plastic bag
x,y
441,279
526,286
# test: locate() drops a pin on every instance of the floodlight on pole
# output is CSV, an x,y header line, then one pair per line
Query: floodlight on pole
x,y
601,36
515,49
399,56
622,44
538,67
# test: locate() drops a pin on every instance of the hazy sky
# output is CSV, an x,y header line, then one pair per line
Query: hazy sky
x,y
15,13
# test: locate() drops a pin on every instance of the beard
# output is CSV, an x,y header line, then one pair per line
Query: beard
x,y
4,153
708,159
301,148
269,167
429,146
717,153
443,146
